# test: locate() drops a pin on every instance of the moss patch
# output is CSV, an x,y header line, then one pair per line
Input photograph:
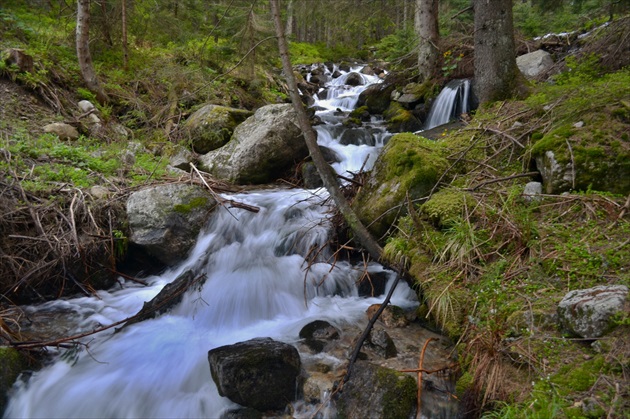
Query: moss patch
x,y
409,165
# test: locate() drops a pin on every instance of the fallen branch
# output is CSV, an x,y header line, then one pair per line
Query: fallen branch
x,y
488,182
170,295
368,328
222,201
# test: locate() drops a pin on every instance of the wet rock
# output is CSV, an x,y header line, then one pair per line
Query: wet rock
x,y
377,392
62,130
13,362
212,126
242,413
381,343
373,284
376,97
316,333
262,148
392,316
166,219
354,79
260,373
356,136
534,63
589,312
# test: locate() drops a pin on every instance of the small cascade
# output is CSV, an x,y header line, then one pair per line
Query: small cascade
x,y
259,282
452,101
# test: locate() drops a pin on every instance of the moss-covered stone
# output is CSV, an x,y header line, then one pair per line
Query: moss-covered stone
x,y
446,205
400,119
376,98
375,391
13,363
409,165
212,126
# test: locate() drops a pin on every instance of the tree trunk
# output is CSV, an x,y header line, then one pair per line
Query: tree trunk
x,y
327,174
289,29
124,35
496,75
83,50
426,25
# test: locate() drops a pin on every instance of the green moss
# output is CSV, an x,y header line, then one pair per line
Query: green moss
x,y
12,365
194,203
447,205
463,383
409,165
581,377
400,396
400,119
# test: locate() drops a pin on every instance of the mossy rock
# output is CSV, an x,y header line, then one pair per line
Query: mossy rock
x,y
13,363
375,391
376,98
585,165
447,205
409,165
212,126
400,119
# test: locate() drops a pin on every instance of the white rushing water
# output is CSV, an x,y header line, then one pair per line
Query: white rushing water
x,y
453,100
258,285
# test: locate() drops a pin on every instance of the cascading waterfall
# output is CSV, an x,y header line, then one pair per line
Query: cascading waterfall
x,y
258,285
452,101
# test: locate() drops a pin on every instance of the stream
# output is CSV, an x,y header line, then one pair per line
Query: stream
x,y
259,284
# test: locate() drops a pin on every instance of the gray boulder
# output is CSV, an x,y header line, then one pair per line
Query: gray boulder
x,y
259,373
212,126
377,392
62,130
589,312
261,149
534,63
166,219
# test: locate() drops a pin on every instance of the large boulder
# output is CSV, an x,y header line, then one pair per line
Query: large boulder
x,y
589,313
376,98
259,373
212,126
165,220
377,392
534,63
567,161
409,165
261,149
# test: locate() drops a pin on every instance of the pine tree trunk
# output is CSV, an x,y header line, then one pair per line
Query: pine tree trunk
x,y
124,36
426,25
327,174
496,75
83,50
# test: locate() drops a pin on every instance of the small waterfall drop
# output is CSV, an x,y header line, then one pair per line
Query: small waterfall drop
x,y
452,101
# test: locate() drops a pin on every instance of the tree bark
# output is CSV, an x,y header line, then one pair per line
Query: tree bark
x,y
426,25
124,36
362,236
289,30
496,75
83,50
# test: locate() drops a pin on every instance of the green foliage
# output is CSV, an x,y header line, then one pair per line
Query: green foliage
x,y
304,53
580,70
397,45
